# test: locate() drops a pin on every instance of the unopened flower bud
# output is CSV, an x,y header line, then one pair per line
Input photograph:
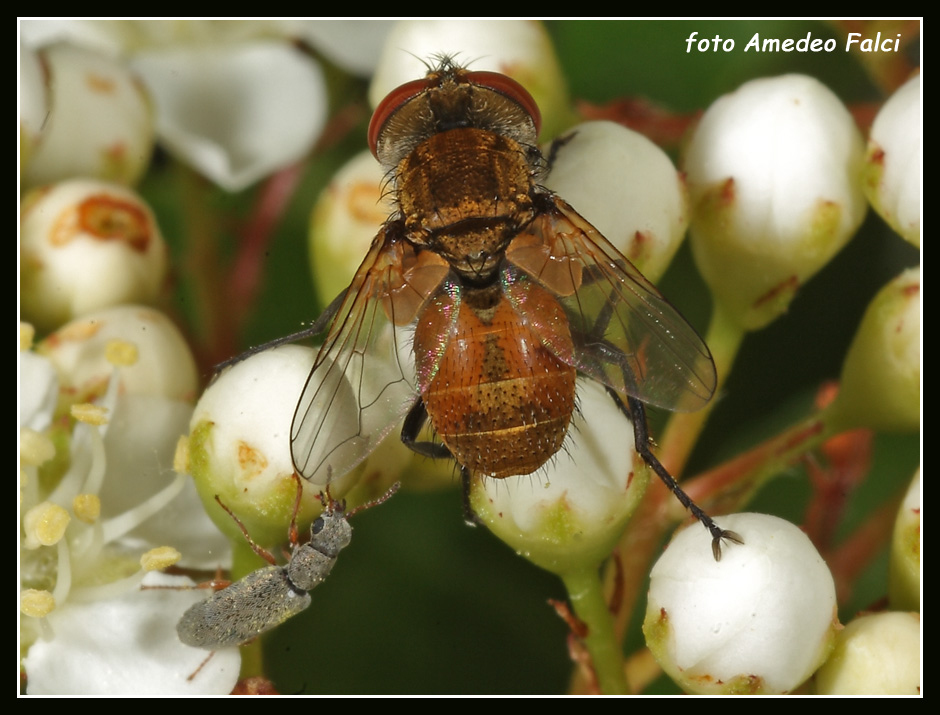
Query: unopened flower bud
x,y
878,654
895,161
627,188
573,513
347,216
761,620
774,173
164,365
87,245
904,574
880,384
239,445
99,122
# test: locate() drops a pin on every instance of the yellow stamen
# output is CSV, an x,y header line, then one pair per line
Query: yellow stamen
x,y
121,353
181,456
27,333
90,414
45,525
160,558
36,603
35,447
87,507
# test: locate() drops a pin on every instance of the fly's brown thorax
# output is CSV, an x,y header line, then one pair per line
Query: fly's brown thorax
x,y
500,400
465,194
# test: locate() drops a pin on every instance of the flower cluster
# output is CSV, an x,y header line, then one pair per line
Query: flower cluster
x,y
142,144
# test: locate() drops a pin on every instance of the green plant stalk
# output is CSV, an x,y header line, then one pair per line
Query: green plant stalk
x,y
586,595
724,338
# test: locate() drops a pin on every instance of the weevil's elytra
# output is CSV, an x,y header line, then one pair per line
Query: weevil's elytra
x,y
266,598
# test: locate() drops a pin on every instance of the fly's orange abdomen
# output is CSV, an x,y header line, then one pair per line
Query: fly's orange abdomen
x,y
500,400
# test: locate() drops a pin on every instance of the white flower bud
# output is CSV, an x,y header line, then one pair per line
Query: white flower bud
x,y
347,216
521,49
627,188
354,45
99,122
880,384
877,654
761,620
239,445
774,176
895,161
904,584
574,512
86,245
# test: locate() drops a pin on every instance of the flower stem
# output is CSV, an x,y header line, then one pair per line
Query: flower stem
x,y
724,339
587,599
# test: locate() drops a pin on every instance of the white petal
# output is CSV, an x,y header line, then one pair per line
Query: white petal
x,y
39,390
140,444
354,45
236,112
127,646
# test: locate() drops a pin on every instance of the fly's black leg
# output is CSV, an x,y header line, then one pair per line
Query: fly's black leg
x,y
552,153
410,430
318,326
635,411
469,516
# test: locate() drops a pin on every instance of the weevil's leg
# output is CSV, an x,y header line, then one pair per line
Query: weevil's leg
x,y
411,428
201,666
635,411
262,552
292,532
318,326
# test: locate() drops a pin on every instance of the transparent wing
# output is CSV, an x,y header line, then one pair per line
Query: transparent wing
x,y
623,332
362,381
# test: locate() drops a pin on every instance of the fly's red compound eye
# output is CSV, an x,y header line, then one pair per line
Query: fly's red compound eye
x,y
493,81
508,87
391,104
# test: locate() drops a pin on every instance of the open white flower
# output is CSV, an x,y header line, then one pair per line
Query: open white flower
x,y
90,482
127,645
236,112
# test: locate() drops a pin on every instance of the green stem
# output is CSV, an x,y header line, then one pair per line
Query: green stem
x,y
586,596
724,339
